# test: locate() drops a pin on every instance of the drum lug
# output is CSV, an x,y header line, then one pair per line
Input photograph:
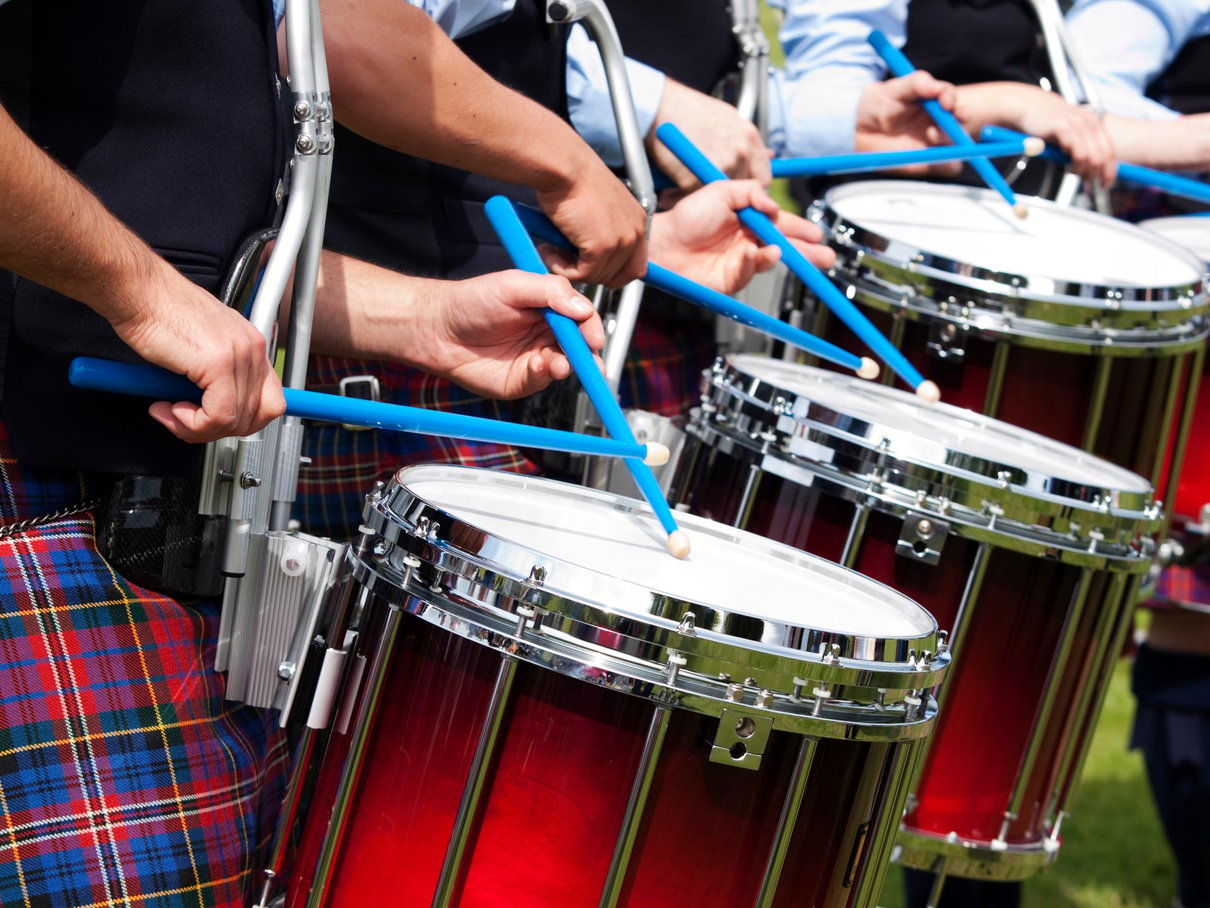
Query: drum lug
x,y
741,739
922,538
947,340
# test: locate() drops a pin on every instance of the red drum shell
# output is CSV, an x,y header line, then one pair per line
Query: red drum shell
x,y
566,758
991,703
1091,375
558,790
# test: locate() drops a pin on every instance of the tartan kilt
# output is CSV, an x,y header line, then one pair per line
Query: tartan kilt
x,y
345,463
1183,587
125,777
663,369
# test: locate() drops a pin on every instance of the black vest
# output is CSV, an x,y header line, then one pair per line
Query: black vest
x,y
411,215
689,40
1185,85
966,41
166,110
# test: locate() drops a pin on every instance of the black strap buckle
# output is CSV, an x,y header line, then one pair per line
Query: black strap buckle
x,y
360,387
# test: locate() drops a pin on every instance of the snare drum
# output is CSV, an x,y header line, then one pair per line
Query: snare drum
x,y
1192,491
564,715
1069,323
1031,550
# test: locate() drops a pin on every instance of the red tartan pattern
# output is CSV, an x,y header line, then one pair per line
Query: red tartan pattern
x,y
1184,587
662,375
345,464
663,370
125,777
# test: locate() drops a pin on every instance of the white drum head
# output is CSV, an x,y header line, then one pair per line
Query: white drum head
x,y
1191,231
977,226
611,536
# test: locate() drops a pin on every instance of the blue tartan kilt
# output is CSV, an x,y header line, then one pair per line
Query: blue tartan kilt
x,y
125,777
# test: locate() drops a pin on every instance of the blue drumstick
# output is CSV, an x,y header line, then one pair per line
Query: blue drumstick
x,y
142,380
767,232
520,247
826,165
1130,173
539,225
899,65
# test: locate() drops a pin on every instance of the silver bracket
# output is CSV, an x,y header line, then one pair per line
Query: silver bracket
x,y
921,538
741,739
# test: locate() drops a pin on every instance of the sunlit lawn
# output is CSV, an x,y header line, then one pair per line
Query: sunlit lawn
x,y
1114,854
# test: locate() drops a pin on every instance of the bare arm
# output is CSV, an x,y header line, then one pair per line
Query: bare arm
x,y
1033,110
487,334
1179,144
399,81
58,234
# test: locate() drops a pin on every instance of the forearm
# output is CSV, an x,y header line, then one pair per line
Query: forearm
x,y
399,81
58,234
993,103
364,311
1180,144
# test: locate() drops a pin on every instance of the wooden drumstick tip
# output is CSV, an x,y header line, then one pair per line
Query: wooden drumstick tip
x,y
1021,210
657,454
678,544
928,391
1034,146
868,369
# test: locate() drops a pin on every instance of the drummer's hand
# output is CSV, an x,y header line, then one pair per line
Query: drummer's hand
x,y
1037,112
702,239
890,117
730,142
597,213
175,324
489,335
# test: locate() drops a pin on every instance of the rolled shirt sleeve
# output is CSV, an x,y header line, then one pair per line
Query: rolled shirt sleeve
x,y
1125,44
829,62
588,99
460,18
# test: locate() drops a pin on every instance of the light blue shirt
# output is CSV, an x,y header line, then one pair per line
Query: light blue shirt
x,y
1125,44
588,99
459,18
829,61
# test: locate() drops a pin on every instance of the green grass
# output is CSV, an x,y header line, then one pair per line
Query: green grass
x,y
1114,854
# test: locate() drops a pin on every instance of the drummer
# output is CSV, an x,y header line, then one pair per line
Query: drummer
x,y
1161,74
991,51
127,777
427,218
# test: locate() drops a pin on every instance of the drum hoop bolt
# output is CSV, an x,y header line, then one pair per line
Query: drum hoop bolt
x,y
675,662
524,614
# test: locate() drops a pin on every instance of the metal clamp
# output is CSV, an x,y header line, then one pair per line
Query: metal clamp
x,y
741,739
922,538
